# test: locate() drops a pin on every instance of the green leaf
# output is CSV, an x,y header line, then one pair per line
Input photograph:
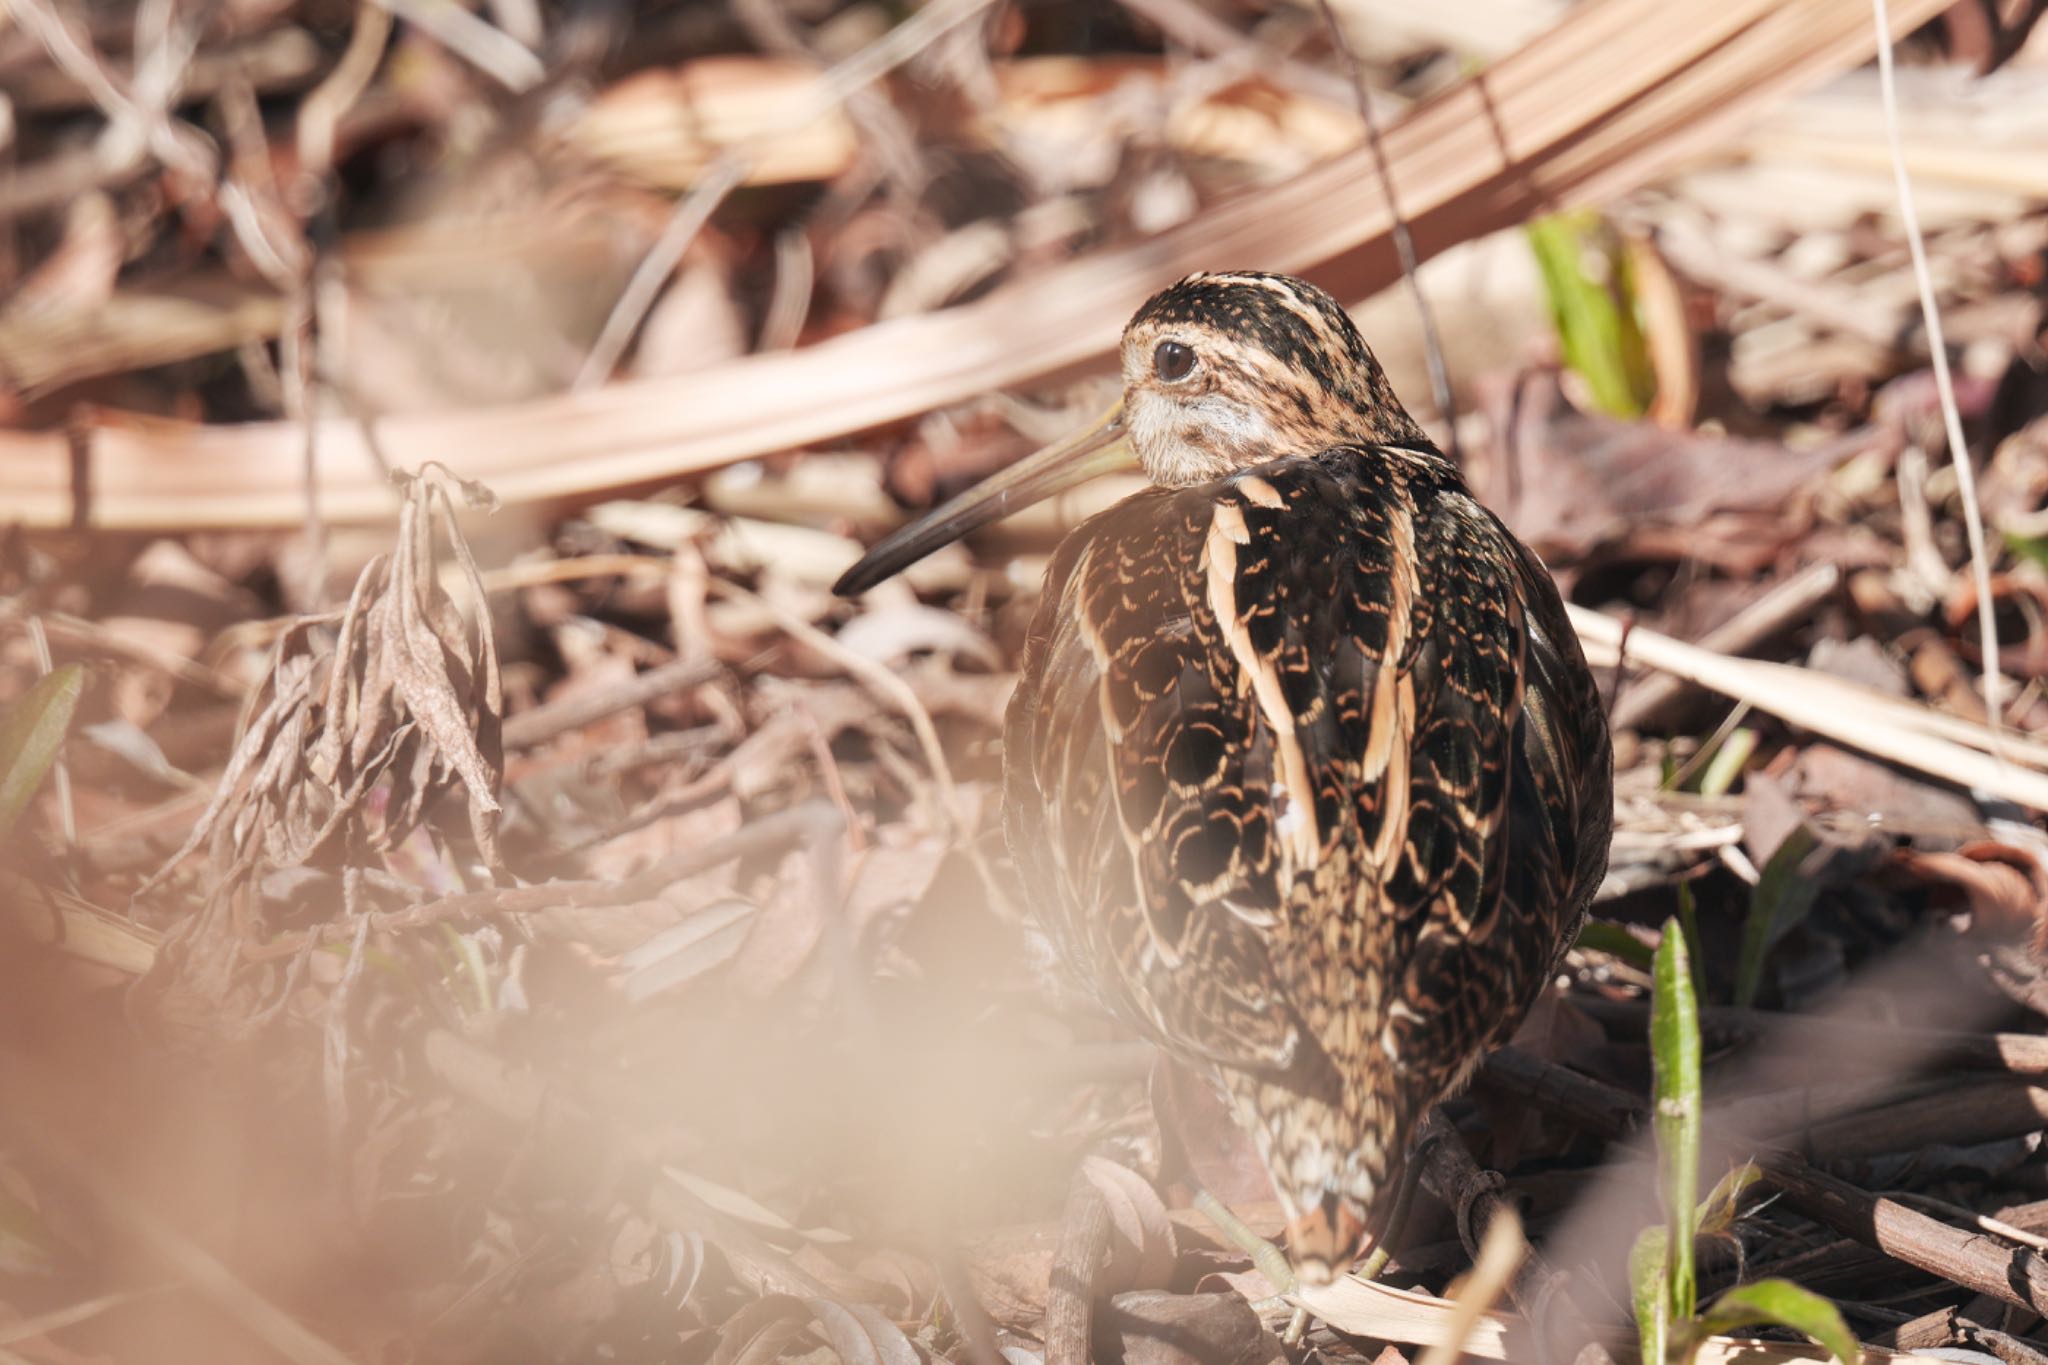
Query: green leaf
x,y
1605,936
1675,1052
1728,762
1648,1280
2027,547
1689,917
1781,900
1778,1303
32,735
1595,318
469,966
1718,1209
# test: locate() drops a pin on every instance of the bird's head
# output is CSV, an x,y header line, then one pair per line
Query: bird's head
x,y
1225,371
1221,372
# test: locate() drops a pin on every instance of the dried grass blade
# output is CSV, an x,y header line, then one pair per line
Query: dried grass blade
x,y
1853,716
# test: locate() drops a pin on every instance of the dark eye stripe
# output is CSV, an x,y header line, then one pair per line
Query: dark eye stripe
x,y
1172,361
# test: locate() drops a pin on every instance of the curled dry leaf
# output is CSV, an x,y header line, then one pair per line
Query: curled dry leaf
x,y
368,717
1151,1327
1142,1249
704,941
780,1326
2004,886
894,632
861,1335
1571,481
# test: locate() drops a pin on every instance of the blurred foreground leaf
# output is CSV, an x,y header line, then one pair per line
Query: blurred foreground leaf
x,y
31,735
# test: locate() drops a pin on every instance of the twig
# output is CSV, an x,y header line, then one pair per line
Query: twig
x,y
1474,1198
1937,349
2013,1275
529,729
1787,603
873,675
1948,1327
1997,1227
1404,244
685,221
320,111
1070,1295
177,144
782,322
476,40
877,59
1189,23
814,820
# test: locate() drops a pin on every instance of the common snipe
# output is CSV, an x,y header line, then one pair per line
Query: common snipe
x,y
1305,774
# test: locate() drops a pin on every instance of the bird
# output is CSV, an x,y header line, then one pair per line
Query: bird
x,y
1305,774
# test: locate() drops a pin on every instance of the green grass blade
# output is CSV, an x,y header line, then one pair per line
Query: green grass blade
x,y
1689,918
1778,1303
1718,1209
2033,548
31,736
1675,1050
1781,899
1728,762
1605,936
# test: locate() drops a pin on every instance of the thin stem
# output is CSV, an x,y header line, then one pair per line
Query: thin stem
x,y
1952,420
1404,245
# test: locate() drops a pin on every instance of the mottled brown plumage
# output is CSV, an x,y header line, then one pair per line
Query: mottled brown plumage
x,y
1306,775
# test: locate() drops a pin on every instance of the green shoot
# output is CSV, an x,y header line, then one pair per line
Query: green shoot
x,y
1781,900
1689,921
1663,1282
1675,1055
1728,762
1586,277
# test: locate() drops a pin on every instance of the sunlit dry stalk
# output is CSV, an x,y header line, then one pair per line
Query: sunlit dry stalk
x,y
176,143
475,39
1937,350
1500,1255
1916,736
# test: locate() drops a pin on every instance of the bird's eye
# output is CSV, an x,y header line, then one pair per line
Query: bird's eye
x,y
1173,362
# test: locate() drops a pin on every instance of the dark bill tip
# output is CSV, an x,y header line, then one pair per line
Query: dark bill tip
x,y
1034,478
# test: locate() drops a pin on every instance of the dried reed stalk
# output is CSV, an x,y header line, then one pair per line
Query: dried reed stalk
x,y
1608,99
1913,735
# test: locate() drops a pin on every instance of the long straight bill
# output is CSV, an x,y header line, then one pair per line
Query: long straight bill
x,y
1098,450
